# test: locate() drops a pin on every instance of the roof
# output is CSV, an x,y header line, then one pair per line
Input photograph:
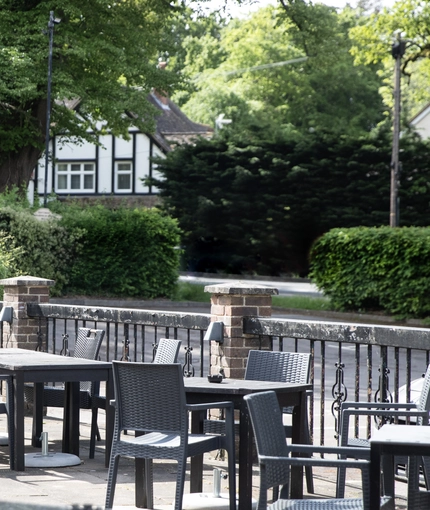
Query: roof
x,y
173,126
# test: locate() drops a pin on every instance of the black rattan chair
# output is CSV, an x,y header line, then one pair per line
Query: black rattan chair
x,y
293,367
87,346
275,459
167,351
150,398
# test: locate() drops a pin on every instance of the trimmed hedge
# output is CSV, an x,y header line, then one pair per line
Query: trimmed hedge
x,y
123,252
37,248
375,269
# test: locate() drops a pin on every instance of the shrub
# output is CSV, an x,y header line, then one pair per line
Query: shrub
x,y
375,269
39,248
122,252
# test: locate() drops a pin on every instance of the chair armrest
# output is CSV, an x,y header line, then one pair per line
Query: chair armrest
x,y
306,461
379,412
349,451
377,405
209,405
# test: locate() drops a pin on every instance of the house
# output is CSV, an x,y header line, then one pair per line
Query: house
x,y
421,122
115,168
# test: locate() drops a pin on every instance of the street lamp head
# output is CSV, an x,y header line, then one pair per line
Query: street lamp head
x,y
52,20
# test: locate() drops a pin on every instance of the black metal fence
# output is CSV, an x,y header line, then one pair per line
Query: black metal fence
x,y
350,362
357,362
130,334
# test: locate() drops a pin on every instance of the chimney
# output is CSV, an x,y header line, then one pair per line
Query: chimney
x,y
161,95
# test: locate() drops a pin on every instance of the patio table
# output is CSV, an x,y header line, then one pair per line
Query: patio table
x,y
40,367
391,440
200,390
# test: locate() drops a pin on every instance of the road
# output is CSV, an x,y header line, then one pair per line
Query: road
x,y
285,288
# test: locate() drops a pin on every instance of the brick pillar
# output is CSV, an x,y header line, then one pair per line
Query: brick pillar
x,y
230,303
23,332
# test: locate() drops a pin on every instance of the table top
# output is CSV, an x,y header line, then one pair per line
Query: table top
x,y
402,435
240,386
14,359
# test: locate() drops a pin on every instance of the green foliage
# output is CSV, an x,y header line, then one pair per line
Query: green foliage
x,y
375,269
37,248
104,54
15,198
185,291
241,71
8,255
257,208
123,252
372,40
302,302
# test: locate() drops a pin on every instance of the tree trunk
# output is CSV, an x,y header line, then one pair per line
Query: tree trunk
x,y
16,167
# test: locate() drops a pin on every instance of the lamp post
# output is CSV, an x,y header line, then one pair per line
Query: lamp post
x,y
51,24
397,51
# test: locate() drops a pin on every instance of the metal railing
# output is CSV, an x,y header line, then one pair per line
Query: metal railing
x,y
130,334
358,362
354,362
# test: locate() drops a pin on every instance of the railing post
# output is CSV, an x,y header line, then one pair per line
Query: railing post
x,y
230,302
24,331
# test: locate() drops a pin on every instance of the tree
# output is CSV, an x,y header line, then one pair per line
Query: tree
x,y
104,54
241,71
372,43
258,208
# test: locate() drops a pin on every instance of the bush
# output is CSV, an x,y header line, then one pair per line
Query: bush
x,y
123,252
38,248
375,269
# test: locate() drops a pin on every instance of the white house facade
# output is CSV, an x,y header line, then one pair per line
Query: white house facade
x,y
421,122
115,167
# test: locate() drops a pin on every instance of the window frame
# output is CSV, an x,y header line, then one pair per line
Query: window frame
x,y
69,173
119,172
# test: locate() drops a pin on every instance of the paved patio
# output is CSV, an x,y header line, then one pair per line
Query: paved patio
x,y
86,483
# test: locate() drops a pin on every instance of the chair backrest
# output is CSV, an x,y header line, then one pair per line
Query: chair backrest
x,y
266,419
87,346
275,366
167,351
88,342
149,397
423,403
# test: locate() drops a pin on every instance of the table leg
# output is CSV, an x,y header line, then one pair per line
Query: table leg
x,y
245,459
37,426
375,476
71,419
18,388
196,463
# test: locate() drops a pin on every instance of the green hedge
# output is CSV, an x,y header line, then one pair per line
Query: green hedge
x,y
375,269
123,252
37,248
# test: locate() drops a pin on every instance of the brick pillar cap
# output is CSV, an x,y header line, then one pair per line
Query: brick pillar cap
x,y
27,281
241,288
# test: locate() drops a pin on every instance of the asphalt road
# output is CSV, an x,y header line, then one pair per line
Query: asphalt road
x,y
285,288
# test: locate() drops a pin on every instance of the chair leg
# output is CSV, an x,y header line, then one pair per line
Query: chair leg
x,y
308,469
112,475
340,482
180,482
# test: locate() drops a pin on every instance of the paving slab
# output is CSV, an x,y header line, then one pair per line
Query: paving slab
x,y
85,484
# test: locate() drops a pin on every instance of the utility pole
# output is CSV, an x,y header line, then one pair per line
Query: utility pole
x,y
397,51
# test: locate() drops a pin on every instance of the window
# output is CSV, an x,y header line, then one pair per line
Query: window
x,y
123,177
75,177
